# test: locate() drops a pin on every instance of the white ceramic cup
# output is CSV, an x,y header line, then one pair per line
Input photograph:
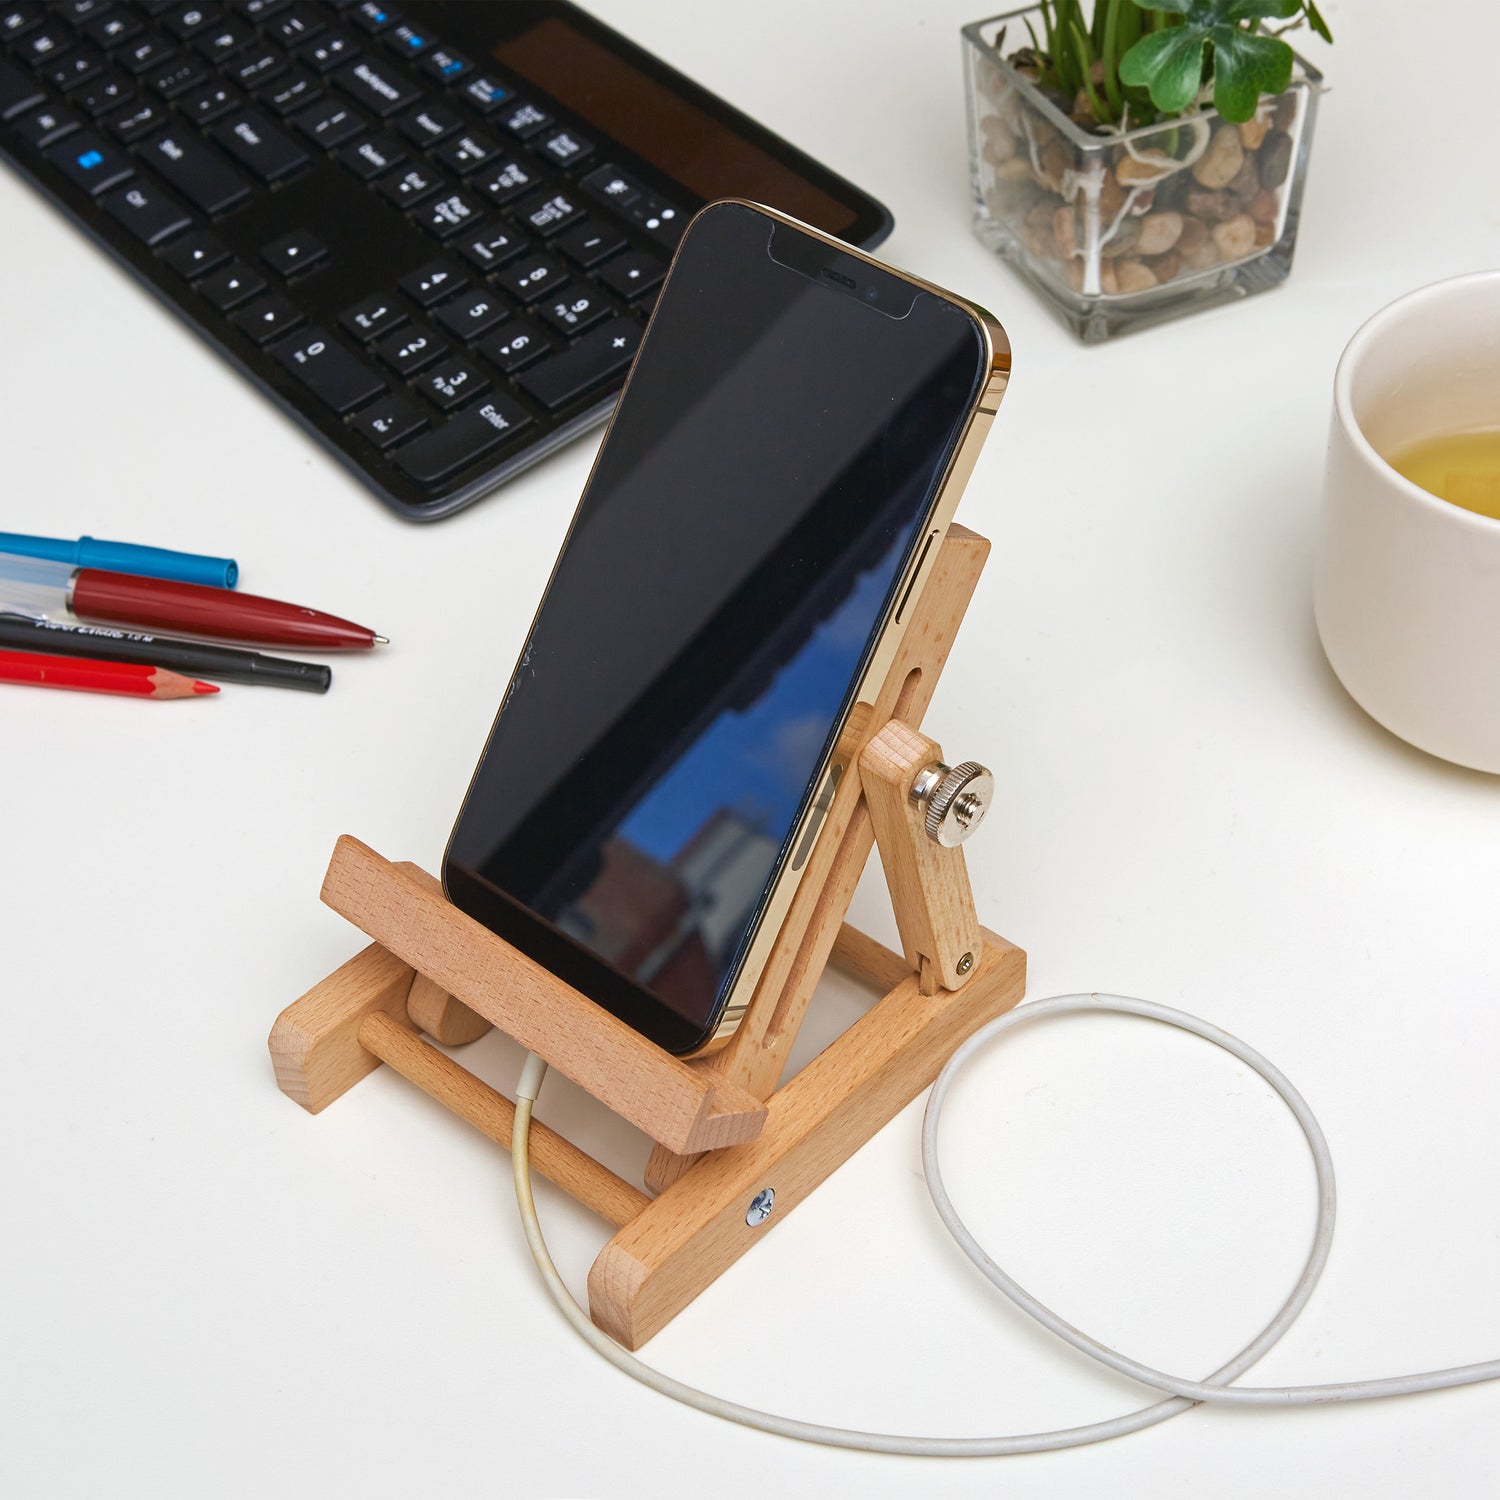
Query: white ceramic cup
x,y
1407,587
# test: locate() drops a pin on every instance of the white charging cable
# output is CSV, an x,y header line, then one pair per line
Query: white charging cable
x,y
1182,1393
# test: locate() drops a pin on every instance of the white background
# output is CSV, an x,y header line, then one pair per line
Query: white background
x,y
208,1292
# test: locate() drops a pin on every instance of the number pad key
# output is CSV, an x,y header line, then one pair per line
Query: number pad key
x,y
471,314
410,349
533,279
515,346
451,384
335,376
575,310
372,318
432,282
389,420
490,247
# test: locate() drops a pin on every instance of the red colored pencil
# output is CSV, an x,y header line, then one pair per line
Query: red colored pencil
x,y
83,676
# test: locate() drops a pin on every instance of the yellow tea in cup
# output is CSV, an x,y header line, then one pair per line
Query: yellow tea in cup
x,y
1462,468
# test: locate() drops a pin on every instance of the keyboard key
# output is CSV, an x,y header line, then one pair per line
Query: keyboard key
x,y
336,377
104,94
259,10
411,186
234,284
448,216
471,314
196,170
329,123
461,440
515,346
372,17
222,41
547,214
176,78
257,66
147,213
611,185
17,20
209,103
379,88
267,151
188,20
74,69
328,52
505,180
451,384
524,120
370,157
445,66
533,279
196,254
292,91
40,46
112,28
485,94
564,377
17,92
576,310
410,349
468,152
490,246
89,162
267,318
299,25
590,242
406,40
633,273
567,147
427,126
294,254
144,54
389,420
432,282
46,126
371,318
140,119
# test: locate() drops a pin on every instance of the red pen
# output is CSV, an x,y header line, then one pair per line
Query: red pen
x,y
162,606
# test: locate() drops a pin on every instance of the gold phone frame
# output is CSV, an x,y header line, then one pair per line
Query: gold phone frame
x,y
892,626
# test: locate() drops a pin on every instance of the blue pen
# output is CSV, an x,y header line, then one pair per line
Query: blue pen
x,y
125,557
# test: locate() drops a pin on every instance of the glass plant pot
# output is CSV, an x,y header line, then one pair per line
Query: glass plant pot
x,y
1133,227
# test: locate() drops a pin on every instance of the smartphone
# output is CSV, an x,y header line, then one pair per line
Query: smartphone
x,y
768,499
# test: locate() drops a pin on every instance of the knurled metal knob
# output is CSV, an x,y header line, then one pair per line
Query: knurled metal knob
x,y
956,799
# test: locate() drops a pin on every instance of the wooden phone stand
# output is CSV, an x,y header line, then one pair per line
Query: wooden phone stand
x,y
734,1152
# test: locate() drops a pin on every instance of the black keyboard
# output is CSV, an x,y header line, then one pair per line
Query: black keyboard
x,y
436,269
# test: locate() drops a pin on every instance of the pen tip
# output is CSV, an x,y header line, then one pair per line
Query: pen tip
x,y
204,687
382,640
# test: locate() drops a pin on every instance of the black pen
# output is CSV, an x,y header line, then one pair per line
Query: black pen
x,y
221,663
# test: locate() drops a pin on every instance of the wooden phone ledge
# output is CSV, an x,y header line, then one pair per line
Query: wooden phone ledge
x,y
725,1132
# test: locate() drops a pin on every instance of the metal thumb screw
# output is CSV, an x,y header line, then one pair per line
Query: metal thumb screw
x,y
956,799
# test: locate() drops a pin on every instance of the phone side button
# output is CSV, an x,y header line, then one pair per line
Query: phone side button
x,y
819,812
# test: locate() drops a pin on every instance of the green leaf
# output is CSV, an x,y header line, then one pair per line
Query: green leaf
x,y
1316,21
1245,67
1169,64
1254,10
1177,7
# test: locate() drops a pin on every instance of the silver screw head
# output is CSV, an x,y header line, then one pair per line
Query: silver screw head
x,y
760,1207
957,804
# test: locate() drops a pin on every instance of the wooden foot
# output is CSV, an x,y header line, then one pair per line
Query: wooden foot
x,y
315,1046
663,1258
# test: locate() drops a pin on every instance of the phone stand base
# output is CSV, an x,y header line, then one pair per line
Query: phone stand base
x,y
734,1152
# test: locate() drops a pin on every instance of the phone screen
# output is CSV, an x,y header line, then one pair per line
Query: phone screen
x,y
766,480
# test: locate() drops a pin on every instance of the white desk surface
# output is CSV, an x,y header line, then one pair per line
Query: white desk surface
x,y
208,1292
